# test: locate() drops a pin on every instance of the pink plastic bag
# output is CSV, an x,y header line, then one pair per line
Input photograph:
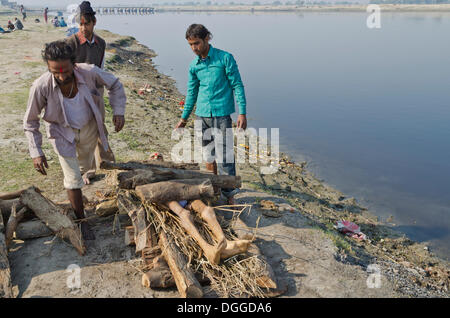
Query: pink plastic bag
x,y
350,229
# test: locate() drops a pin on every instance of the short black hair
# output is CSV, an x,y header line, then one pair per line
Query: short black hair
x,y
58,51
197,31
89,17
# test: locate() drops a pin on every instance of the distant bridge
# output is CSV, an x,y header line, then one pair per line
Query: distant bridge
x,y
125,10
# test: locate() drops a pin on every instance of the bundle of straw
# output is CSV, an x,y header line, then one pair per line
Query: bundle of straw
x,y
233,277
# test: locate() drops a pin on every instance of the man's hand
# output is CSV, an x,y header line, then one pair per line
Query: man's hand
x,y
39,164
119,122
181,123
242,122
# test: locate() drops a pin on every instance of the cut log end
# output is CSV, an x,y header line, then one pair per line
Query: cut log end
x,y
266,282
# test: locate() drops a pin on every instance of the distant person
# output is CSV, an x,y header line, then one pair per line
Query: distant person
x,y
65,95
18,24
90,48
213,78
55,22
11,26
23,11
62,23
46,15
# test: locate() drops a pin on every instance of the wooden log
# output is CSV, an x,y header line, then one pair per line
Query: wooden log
x,y
5,272
133,165
11,195
13,221
134,178
176,190
143,232
32,229
107,208
267,278
144,235
53,217
129,236
159,276
187,285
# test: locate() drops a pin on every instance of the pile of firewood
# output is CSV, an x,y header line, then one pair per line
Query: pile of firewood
x,y
149,193
180,239
31,215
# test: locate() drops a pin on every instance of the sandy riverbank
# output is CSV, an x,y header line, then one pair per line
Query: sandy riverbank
x,y
308,255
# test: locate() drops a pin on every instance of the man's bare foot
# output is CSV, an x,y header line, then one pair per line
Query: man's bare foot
x,y
86,232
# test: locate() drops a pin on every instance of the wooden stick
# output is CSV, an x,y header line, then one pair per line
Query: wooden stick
x,y
267,278
13,221
175,190
187,285
53,217
5,272
11,195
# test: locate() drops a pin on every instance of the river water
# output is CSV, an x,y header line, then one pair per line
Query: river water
x,y
369,109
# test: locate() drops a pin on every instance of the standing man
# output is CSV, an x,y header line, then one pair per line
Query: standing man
x,y
90,48
24,12
46,14
71,102
213,78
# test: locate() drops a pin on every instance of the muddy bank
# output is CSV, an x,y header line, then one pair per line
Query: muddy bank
x,y
295,232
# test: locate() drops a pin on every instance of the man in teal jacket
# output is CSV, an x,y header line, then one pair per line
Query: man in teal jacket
x,y
213,78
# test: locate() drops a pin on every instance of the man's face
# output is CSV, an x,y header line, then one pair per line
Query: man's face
x,y
198,46
62,71
87,28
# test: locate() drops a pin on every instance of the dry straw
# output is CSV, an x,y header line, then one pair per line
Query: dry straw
x,y
233,277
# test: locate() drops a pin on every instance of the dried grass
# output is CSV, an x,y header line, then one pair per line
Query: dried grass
x,y
233,277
